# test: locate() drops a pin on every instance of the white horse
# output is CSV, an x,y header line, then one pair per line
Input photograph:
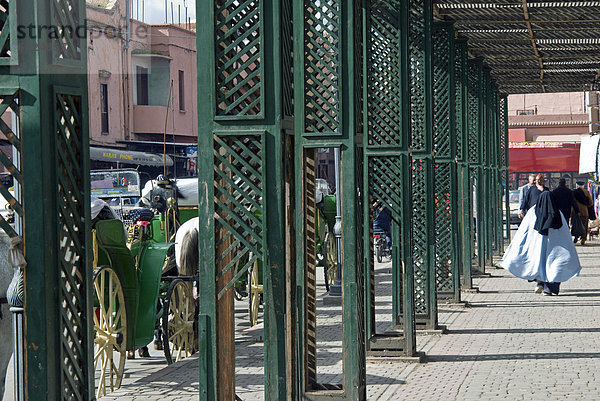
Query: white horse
x,y
186,247
6,345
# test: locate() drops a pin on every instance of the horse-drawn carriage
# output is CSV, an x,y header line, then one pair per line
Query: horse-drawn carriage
x,y
138,293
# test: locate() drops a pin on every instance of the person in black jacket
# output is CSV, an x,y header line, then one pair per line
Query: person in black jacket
x,y
564,199
532,195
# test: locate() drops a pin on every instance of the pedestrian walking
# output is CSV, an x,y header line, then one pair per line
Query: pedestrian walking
x,y
564,199
583,198
532,195
523,190
542,250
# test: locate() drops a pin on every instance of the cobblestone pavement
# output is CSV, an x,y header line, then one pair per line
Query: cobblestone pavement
x,y
507,344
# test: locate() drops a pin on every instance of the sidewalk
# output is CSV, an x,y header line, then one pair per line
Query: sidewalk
x,y
509,344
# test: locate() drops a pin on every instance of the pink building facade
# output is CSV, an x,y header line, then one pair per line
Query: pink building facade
x,y
142,84
552,117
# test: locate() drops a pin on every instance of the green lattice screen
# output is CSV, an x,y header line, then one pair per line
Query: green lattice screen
x,y
460,61
8,32
502,126
238,59
9,102
239,204
416,43
287,61
322,69
72,228
444,151
420,234
443,132
68,16
473,112
384,80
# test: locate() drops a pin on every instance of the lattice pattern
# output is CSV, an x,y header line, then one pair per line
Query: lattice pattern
x,y
8,21
10,102
239,211
442,92
503,144
287,62
238,58
420,234
66,19
358,67
418,98
473,112
385,184
460,88
72,257
384,83
444,230
310,265
322,47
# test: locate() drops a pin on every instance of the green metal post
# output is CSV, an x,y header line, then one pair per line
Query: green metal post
x,y
465,241
444,148
43,80
386,165
241,173
328,105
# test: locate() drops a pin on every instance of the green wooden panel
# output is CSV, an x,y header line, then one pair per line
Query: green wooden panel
x,y
241,172
9,49
446,186
386,170
422,168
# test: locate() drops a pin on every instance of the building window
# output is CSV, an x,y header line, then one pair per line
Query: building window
x,y
181,91
104,107
527,112
142,85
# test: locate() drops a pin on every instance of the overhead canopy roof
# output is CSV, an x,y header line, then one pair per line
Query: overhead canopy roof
x,y
531,46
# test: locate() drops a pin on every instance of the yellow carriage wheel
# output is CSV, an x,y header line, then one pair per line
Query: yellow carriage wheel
x,y
110,326
255,291
178,321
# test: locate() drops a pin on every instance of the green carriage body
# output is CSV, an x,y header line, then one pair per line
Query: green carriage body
x,y
139,270
158,225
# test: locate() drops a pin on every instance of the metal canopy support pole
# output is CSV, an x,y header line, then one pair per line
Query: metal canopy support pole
x,y
444,147
422,168
386,173
465,238
241,182
328,108
43,80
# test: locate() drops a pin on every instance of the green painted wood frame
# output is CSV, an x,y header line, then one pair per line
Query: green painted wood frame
x,y
465,191
386,173
444,147
332,84
49,77
242,122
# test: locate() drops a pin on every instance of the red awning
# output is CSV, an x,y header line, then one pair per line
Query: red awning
x,y
533,157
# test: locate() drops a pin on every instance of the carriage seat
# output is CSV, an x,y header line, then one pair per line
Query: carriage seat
x,y
139,214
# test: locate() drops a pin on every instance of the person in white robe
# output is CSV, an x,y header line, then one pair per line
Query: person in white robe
x,y
547,254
